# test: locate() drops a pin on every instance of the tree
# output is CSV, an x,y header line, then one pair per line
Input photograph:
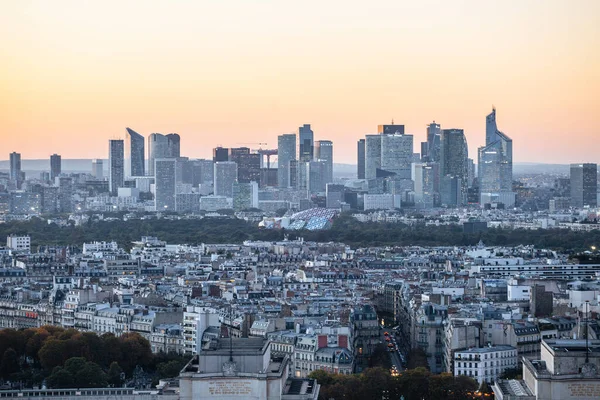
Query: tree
x,y
90,376
169,369
52,354
75,364
114,375
60,379
10,363
380,357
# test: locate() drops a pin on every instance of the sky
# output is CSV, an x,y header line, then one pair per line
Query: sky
x,y
76,73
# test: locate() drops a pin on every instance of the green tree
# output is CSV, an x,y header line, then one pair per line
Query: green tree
x,y
52,354
75,364
90,376
417,359
169,369
114,375
60,379
10,363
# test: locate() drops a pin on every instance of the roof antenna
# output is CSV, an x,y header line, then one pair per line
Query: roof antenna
x,y
392,121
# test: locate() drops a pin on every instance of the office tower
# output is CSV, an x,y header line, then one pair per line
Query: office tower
x,y
324,152
306,141
220,154
135,163
50,199
361,159
293,176
225,174
165,171
316,172
245,195
495,165
454,158
65,194
584,185
15,169
472,174
173,145
248,164
433,143
390,129
116,165
425,176
162,146
397,154
55,166
372,155
98,168
286,152
334,195
451,191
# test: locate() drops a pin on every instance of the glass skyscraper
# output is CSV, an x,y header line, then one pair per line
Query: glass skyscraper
x,y
286,153
134,154
116,165
495,165
453,159
306,139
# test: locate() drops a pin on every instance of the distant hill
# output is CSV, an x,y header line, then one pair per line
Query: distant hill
x,y
340,170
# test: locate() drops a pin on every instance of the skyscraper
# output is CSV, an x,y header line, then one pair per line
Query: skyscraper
x,y
324,152
245,195
425,184
55,166
220,154
397,154
454,158
116,165
432,146
372,155
584,185
226,173
495,165
360,159
98,168
286,152
135,163
390,129
15,169
162,146
306,141
165,170
248,164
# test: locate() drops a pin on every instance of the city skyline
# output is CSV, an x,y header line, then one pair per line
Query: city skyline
x,y
218,75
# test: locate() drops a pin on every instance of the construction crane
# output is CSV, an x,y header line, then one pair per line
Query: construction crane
x,y
260,144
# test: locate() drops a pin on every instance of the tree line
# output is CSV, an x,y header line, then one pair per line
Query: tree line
x,y
68,358
345,229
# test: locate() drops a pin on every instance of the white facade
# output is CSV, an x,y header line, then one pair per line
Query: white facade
x,y
518,292
97,247
485,364
19,243
381,201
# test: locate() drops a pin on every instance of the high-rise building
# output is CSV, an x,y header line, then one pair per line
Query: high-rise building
x,y
454,158
226,173
162,146
245,195
397,154
390,129
248,164
324,152
165,171
306,142
116,165
286,152
451,191
55,166
316,174
98,168
65,194
220,154
584,185
372,155
15,169
361,159
495,165
135,163
425,184
432,146
334,195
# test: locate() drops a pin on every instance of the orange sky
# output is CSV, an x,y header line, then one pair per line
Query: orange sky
x,y
74,74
